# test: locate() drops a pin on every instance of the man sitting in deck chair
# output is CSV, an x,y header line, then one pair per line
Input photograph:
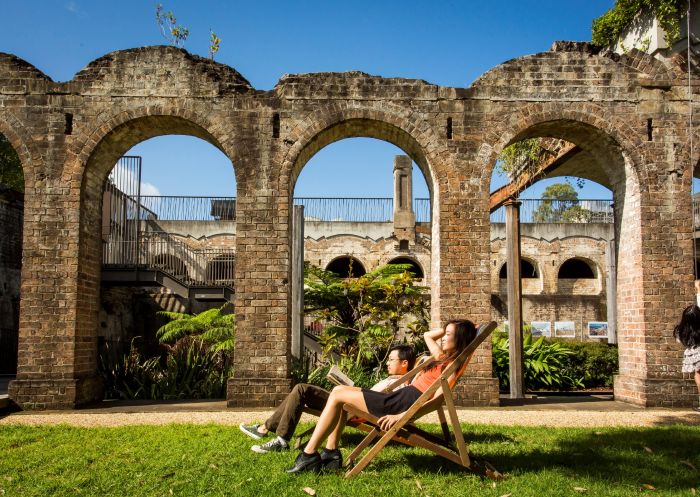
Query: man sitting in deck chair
x,y
284,420
445,345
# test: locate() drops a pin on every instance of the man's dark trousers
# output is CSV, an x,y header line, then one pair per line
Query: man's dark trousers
x,y
284,420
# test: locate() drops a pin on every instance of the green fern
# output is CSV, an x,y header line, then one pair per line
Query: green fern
x,y
211,326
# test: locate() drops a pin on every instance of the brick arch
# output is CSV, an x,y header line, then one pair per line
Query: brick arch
x,y
20,139
587,125
150,122
336,123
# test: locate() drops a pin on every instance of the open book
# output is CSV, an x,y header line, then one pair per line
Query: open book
x,y
337,377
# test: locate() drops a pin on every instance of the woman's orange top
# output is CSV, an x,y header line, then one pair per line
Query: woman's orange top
x,y
426,378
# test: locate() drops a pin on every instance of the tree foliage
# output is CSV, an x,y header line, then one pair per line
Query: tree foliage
x,y
175,33
364,315
560,204
522,155
11,174
608,28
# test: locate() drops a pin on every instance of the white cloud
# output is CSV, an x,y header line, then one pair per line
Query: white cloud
x,y
74,8
126,180
149,189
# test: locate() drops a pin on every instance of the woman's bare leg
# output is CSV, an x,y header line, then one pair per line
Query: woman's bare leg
x,y
332,414
334,437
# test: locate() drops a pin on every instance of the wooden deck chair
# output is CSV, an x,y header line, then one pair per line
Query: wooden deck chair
x,y
404,431
355,422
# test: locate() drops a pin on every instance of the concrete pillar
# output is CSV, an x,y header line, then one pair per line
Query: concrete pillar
x,y
297,344
515,306
404,217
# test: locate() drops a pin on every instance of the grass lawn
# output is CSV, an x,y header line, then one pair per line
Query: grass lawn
x,y
216,460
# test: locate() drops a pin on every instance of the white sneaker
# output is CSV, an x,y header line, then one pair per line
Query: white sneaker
x,y
274,445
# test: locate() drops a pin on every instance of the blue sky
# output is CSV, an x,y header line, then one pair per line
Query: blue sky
x,y
448,43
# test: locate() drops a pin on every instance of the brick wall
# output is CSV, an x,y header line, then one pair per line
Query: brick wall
x,y
599,101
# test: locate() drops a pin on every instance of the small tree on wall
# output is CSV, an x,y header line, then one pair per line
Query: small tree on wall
x,y
11,175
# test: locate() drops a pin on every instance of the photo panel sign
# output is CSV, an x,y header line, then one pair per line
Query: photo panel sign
x,y
598,329
565,329
541,328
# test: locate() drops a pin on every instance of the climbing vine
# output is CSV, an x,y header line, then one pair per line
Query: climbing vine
x,y
521,155
608,27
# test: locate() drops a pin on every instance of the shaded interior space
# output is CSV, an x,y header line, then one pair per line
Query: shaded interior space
x,y
11,229
346,267
527,270
575,269
415,269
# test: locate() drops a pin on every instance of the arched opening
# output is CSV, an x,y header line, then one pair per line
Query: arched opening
x,y
565,175
367,190
576,269
11,224
346,267
415,268
527,270
149,206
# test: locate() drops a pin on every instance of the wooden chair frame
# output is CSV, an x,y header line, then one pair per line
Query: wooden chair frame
x,y
355,422
404,431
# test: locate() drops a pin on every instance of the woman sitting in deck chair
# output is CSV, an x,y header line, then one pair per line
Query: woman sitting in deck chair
x,y
389,407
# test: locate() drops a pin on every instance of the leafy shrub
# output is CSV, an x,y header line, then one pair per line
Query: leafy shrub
x,y
192,370
594,362
362,318
543,363
196,360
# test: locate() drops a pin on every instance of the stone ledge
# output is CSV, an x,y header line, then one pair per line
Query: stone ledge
x,y
477,392
257,392
40,394
653,392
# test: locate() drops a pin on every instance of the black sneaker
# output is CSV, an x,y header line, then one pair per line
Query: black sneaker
x,y
251,431
331,459
305,462
274,445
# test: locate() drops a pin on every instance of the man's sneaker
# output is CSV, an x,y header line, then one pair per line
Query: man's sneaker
x,y
274,445
251,431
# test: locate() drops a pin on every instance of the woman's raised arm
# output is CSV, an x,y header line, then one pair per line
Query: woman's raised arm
x,y
431,338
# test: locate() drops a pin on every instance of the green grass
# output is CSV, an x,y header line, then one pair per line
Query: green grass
x,y
216,460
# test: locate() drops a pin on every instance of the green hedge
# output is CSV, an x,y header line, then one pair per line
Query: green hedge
x,y
556,364
594,362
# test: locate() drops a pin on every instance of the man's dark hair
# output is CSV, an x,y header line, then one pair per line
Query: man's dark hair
x,y
406,353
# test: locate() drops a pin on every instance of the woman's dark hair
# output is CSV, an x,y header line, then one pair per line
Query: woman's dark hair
x,y
688,330
406,353
465,333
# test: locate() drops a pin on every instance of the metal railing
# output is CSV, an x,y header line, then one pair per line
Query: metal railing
x,y
421,206
560,211
360,210
170,208
162,251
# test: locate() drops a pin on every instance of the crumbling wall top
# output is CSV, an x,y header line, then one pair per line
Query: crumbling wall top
x,y
153,67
